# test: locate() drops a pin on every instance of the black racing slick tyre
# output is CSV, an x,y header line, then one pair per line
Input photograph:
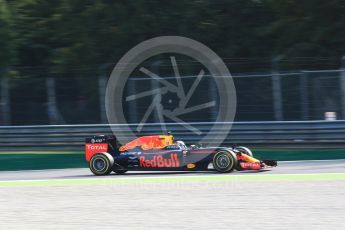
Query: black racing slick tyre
x,y
244,150
120,171
101,164
224,161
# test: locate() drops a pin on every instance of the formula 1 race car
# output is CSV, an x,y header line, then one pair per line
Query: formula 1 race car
x,y
162,153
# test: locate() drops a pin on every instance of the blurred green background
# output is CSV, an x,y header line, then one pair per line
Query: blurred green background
x,y
76,42
87,33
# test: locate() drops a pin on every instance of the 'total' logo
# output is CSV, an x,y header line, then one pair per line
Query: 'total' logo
x,y
159,162
101,147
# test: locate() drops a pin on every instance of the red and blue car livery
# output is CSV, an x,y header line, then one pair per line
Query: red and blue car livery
x,y
161,153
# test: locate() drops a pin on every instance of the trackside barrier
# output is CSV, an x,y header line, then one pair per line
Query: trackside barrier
x,y
287,134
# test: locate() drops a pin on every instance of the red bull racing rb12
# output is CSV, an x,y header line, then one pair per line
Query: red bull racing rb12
x,y
161,153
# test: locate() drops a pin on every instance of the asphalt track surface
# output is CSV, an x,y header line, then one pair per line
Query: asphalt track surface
x,y
294,195
287,167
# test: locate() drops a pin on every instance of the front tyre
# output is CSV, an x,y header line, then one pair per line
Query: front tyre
x,y
101,164
224,161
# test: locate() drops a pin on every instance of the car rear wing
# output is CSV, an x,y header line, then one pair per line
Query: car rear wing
x,y
101,143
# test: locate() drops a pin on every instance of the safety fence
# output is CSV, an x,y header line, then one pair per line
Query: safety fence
x,y
32,96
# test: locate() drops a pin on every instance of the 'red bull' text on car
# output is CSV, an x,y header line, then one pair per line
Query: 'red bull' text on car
x,y
162,153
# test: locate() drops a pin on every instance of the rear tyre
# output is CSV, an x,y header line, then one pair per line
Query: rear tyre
x,y
101,164
224,161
